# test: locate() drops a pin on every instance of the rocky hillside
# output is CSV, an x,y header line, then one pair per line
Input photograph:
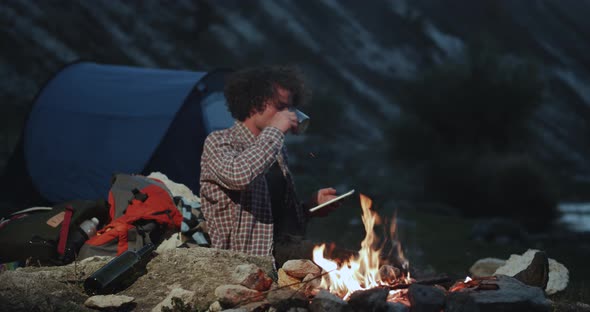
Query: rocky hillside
x,y
354,53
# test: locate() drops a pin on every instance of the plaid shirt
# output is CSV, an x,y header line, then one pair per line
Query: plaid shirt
x,y
234,194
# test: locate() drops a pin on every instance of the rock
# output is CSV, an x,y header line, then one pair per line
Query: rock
x,y
234,295
296,309
215,307
75,270
108,301
374,299
185,295
249,275
287,299
200,270
313,278
326,301
396,307
312,283
42,289
92,259
279,296
288,280
537,273
173,242
558,277
511,295
486,267
558,273
571,307
257,306
300,268
425,298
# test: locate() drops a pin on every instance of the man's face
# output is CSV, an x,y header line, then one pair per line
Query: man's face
x,y
282,101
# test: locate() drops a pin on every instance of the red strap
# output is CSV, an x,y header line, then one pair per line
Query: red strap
x,y
65,229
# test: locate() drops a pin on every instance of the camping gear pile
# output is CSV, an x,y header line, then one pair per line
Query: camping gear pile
x,y
89,122
140,211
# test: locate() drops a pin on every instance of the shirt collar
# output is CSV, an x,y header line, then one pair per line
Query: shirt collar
x,y
245,133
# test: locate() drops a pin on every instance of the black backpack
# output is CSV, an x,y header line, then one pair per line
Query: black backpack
x,y
48,236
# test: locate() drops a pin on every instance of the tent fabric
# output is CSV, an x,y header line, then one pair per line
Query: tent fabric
x,y
93,120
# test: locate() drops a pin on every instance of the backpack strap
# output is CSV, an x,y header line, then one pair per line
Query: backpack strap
x,y
142,237
65,229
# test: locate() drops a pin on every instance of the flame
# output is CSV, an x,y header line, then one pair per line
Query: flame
x,y
480,283
361,272
467,283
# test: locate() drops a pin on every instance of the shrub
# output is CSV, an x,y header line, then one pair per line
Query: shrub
x,y
511,186
464,129
522,189
484,104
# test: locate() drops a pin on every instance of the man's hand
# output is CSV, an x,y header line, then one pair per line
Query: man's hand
x,y
284,120
322,196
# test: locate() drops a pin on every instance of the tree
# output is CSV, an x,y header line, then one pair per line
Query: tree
x,y
466,128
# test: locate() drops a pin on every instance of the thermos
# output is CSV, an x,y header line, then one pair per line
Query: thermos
x,y
120,272
86,230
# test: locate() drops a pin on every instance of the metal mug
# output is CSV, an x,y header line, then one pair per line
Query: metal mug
x,y
302,121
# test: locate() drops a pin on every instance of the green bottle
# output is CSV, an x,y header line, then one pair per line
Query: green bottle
x,y
120,272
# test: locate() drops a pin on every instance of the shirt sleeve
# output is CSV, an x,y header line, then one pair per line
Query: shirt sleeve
x,y
235,170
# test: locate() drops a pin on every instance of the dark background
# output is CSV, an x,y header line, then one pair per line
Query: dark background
x,y
448,112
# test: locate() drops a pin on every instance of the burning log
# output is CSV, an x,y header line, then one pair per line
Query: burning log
x,y
480,283
389,274
435,281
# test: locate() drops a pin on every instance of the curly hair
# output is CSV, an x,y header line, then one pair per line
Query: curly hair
x,y
247,90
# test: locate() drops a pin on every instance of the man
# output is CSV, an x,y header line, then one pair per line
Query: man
x,y
247,192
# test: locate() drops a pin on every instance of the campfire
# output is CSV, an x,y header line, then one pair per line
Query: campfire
x,y
370,280
365,270
368,271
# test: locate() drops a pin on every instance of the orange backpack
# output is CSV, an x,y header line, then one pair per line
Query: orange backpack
x,y
142,210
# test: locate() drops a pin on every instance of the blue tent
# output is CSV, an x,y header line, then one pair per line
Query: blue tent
x,y
92,120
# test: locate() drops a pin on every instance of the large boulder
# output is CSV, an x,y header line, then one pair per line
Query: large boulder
x,y
558,273
200,270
